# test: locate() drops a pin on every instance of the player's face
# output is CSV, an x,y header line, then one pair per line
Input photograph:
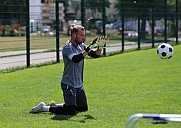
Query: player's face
x,y
80,37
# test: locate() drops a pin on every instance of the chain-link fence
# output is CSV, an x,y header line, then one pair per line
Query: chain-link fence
x,y
34,31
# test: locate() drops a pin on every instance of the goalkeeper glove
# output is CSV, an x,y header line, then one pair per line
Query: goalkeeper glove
x,y
93,44
101,41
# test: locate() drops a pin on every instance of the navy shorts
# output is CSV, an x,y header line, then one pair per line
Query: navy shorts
x,y
74,96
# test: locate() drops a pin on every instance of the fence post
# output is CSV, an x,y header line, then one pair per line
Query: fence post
x,y
57,32
138,5
122,23
176,2
165,19
27,34
83,13
103,23
153,26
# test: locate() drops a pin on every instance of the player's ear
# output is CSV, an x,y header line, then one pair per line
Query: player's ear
x,y
74,35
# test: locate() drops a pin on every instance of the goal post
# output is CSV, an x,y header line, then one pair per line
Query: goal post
x,y
161,117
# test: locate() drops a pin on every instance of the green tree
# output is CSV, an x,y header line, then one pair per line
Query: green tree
x,y
12,9
142,8
96,5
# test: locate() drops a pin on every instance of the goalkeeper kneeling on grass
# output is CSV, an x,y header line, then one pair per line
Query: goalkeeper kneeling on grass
x,y
74,52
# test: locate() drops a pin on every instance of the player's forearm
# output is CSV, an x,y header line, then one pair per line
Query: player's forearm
x,y
78,58
83,54
94,54
98,51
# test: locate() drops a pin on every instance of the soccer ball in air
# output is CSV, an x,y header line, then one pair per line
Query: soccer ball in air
x,y
165,51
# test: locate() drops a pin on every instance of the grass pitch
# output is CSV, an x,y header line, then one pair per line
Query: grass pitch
x,y
116,86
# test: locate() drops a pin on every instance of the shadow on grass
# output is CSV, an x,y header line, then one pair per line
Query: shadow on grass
x,y
68,117
159,122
